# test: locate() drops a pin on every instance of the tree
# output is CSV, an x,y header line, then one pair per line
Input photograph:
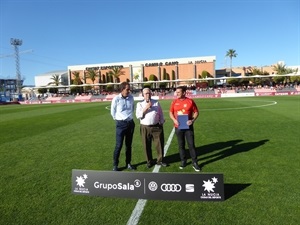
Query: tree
x,y
231,53
152,77
116,72
92,74
55,80
281,69
77,80
256,71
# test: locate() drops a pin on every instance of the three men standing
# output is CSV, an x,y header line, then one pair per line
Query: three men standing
x,y
151,117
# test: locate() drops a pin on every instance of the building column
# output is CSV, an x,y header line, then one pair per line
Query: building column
x,y
142,74
158,73
69,77
130,73
176,74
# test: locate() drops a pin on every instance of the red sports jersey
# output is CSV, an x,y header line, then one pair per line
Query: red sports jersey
x,y
183,106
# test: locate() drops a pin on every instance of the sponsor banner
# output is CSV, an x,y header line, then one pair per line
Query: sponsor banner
x,y
97,100
281,93
210,96
193,96
237,95
144,185
295,93
173,97
264,94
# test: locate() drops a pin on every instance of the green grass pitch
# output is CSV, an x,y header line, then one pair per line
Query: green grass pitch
x,y
253,141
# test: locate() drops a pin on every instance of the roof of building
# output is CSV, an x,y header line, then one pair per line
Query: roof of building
x,y
55,72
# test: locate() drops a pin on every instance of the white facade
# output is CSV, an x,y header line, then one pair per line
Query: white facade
x,y
44,79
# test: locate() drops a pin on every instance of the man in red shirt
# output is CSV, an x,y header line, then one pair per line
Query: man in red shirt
x,y
185,106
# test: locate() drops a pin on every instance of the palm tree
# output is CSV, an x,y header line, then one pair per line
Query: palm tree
x,y
116,72
56,80
281,69
231,53
92,74
76,80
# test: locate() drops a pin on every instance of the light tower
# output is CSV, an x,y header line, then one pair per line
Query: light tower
x,y
16,43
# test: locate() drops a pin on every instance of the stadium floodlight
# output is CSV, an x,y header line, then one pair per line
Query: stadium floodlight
x,y
16,43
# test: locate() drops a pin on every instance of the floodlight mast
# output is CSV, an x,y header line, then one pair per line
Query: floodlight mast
x,y
16,43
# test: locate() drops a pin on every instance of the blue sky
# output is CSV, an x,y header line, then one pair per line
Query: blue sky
x,y
75,32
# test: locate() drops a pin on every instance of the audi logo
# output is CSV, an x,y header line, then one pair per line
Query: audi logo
x,y
170,187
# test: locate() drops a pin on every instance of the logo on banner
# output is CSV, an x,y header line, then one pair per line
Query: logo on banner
x,y
208,188
165,187
170,187
118,186
80,182
152,186
189,188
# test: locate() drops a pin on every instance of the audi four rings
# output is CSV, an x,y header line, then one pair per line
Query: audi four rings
x,y
170,187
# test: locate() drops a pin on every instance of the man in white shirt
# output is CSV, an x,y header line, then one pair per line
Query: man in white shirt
x,y
122,111
151,117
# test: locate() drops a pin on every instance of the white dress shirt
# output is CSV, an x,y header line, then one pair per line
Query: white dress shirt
x,y
122,108
152,116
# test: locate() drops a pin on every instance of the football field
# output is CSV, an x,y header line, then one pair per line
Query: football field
x,y
253,141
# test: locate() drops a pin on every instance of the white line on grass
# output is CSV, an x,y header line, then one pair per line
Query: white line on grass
x,y
139,207
245,107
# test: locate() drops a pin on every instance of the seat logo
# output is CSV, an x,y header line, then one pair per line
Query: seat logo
x,y
170,187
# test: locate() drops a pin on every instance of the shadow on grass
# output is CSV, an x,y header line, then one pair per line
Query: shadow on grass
x,y
221,149
233,189
227,149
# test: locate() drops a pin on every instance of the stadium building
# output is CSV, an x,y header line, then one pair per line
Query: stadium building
x,y
171,70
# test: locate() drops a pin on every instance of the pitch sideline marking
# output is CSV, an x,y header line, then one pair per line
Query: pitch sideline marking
x,y
245,107
139,207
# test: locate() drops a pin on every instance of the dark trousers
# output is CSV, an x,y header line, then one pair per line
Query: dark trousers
x,y
187,135
153,133
124,130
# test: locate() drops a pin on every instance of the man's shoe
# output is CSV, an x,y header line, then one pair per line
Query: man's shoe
x,y
130,167
149,165
115,168
196,167
183,164
162,164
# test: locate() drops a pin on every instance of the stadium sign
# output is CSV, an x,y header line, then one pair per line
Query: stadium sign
x,y
161,64
143,185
